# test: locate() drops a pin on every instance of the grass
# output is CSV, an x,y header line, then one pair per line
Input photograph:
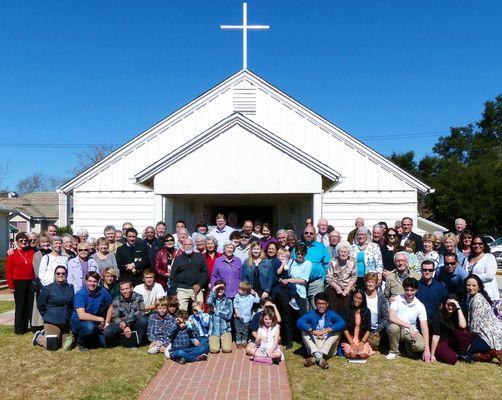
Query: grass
x,y
94,375
6,306
401,378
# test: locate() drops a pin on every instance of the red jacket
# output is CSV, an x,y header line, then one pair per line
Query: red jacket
x,y
19,266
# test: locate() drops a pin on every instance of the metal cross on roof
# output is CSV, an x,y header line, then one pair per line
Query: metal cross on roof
x,y
244,27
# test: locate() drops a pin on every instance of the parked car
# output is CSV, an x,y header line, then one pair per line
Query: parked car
x,y
496,250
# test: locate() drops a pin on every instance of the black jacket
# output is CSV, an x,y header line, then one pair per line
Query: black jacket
x,y
137,254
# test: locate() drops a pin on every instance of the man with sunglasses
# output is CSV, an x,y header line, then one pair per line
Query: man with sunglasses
x,y
431,292
452,275
319,255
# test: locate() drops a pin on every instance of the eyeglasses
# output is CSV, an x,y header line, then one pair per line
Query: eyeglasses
x,y
478,244
427,270
60,273
450,263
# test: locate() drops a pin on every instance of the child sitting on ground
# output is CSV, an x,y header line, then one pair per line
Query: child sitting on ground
x,y
410,247
199,322
267,341
185,344
254,325
157,327
244,301
220,330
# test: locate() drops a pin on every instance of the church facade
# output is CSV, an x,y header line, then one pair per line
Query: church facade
x,y
247,147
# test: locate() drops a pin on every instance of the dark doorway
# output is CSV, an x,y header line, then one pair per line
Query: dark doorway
x,y
264,214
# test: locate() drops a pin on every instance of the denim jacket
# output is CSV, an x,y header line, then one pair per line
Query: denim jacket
x,y
266,273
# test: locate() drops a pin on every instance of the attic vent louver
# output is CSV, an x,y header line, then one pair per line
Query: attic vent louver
x,y
245,100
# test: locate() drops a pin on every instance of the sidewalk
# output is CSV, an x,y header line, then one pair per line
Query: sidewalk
x,y
223,376
6,318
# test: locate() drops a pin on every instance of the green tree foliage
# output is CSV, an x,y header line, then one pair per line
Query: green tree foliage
x,y
465,171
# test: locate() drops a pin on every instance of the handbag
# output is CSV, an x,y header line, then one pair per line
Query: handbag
x,y
262,359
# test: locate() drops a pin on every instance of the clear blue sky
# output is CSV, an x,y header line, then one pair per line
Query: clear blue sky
x,y
79,72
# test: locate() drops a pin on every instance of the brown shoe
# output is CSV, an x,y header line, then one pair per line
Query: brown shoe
x,y
324,364
484,357
309,362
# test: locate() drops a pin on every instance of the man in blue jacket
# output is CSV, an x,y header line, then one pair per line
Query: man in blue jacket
x,y
320,331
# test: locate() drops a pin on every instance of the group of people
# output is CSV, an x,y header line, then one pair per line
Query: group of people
x,y
186,295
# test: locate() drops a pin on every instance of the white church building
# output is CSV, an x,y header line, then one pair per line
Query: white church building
x,y
242,146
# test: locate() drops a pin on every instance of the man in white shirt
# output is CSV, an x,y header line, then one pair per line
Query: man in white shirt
x,y
150,290
322,232
403,314
221,232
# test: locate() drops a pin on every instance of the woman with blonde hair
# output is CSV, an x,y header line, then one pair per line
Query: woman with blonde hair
x,y
258,270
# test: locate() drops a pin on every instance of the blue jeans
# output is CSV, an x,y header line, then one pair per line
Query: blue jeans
x,y
87,333
190,354
241,331
113,331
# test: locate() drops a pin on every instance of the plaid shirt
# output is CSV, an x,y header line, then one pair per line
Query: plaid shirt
x,y
180,339
157,328
221,314
128,310
200,323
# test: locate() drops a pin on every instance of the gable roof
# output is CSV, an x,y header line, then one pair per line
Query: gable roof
x,y
236,119
37,205
275,93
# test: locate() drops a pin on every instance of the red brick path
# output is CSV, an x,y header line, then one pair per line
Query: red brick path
x,y
223,376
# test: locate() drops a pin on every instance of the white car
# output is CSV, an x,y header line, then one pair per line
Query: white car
x,y
496,250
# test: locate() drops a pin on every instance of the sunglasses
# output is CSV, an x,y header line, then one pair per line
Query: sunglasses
x,y
300,253
83,250
309,233
60,273
33,240
23,241
467,238
391,235
169,240
427,270
478,244
450,263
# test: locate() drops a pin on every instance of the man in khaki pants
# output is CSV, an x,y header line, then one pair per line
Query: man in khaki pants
x,y
189,275
403,313
320,331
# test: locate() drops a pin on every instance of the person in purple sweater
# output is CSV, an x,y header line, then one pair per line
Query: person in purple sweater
x,y
228,268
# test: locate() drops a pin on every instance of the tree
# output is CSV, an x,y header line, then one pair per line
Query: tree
x,y
4,171
465,172
87,158
38,183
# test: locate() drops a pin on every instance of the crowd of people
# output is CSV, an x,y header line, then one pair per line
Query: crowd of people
x,y
186,296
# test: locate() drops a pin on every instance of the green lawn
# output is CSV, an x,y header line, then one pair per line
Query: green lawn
x,y
6,306
398,379
97,374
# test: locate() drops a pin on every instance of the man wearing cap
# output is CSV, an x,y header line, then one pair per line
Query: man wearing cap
x,y
79,266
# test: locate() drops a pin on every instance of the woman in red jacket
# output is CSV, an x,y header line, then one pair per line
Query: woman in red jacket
x,y
20,275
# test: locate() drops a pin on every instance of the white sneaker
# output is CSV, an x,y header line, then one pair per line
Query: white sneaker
x,y
153,350
391,356
294,305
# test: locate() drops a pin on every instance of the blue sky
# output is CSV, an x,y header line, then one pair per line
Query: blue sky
x,y
395,74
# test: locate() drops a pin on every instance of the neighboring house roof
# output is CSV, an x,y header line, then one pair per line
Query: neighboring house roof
x,y
274,92
221,127
36,205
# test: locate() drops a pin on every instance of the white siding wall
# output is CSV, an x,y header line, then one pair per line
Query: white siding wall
x,y
341,208
94,210
166,138
221,160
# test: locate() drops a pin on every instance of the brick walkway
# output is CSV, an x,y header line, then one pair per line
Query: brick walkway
x,y
224,376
